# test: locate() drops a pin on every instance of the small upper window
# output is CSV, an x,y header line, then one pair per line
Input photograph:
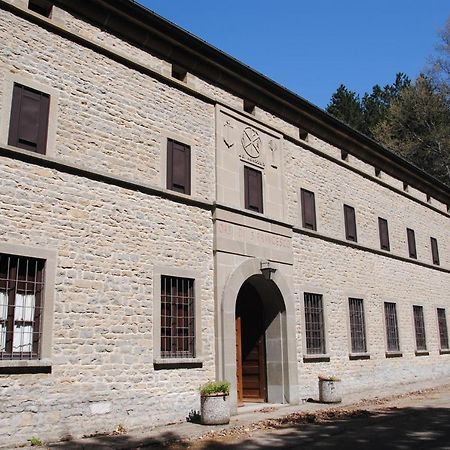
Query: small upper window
x,y
253,189
384,234
350,223
178,167
42,7
249,107
434,251
308,209
411,243
29,119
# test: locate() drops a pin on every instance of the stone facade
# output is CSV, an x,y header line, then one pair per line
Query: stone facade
x,y
98,201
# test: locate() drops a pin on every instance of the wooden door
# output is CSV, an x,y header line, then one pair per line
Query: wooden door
x,y
250,347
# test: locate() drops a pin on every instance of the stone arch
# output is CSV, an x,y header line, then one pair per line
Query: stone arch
x,y
285,389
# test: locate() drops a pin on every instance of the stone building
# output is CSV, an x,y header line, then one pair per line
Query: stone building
x,y
169,216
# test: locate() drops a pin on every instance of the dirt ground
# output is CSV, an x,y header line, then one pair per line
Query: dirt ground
x,y
418,420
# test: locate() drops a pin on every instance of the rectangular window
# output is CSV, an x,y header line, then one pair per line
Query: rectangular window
x,y
392,340
253,189
178,167
350,223
177,317
411,243
314,324
443,332
308,209
434,251
21,306
384,233
419,327
357,325
29,119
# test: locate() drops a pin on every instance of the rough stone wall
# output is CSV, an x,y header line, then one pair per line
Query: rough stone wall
x,y
108,241
109,117
338,272
335,185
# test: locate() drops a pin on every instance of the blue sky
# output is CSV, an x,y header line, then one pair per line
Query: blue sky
x,y
313,46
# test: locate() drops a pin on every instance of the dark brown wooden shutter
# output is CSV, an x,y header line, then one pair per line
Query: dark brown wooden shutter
x,y
308,209
384,233
435,251
411,243
29,119
253,189
350,223
178,167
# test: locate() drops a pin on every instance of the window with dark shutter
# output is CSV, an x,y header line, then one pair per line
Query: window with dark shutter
x,y
178,167
21,306
177,317
253,189
419,328
411,243
443,331
29,119
42,7
308,209
314,324
350,223
434,251
384,233
390,316
357,325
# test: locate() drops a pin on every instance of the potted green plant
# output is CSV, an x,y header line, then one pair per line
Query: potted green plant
x,y
214,404
329,389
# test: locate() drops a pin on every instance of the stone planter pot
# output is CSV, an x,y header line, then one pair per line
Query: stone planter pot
x,y
329,391
215,409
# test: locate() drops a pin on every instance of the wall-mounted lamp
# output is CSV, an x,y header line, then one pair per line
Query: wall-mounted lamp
x,y
267,269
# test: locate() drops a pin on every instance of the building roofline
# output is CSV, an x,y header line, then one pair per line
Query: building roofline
x,y
157,35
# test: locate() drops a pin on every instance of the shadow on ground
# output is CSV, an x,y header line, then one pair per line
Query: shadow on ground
x,y
392,428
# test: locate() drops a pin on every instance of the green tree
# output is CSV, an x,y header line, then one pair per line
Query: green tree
x,y
345,105
416,125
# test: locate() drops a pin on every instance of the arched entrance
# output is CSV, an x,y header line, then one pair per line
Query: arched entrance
x,y
265,344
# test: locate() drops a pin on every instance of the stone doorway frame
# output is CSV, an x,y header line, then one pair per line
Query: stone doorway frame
x,y
286,389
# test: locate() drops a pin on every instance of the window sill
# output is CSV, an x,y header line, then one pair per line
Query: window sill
x,y
444,351
422,353
12,366
356,356
316,358
177,363
394,354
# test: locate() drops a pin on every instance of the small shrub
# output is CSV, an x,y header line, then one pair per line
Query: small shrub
x,y
35,442
215,387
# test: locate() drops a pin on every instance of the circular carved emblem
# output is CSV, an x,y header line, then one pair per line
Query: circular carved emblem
x,y
251,142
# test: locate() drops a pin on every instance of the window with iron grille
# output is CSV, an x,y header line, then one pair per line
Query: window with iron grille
x,y
392,339
443,332
314,324
357,325
177,317
28,126
419,327
21,306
